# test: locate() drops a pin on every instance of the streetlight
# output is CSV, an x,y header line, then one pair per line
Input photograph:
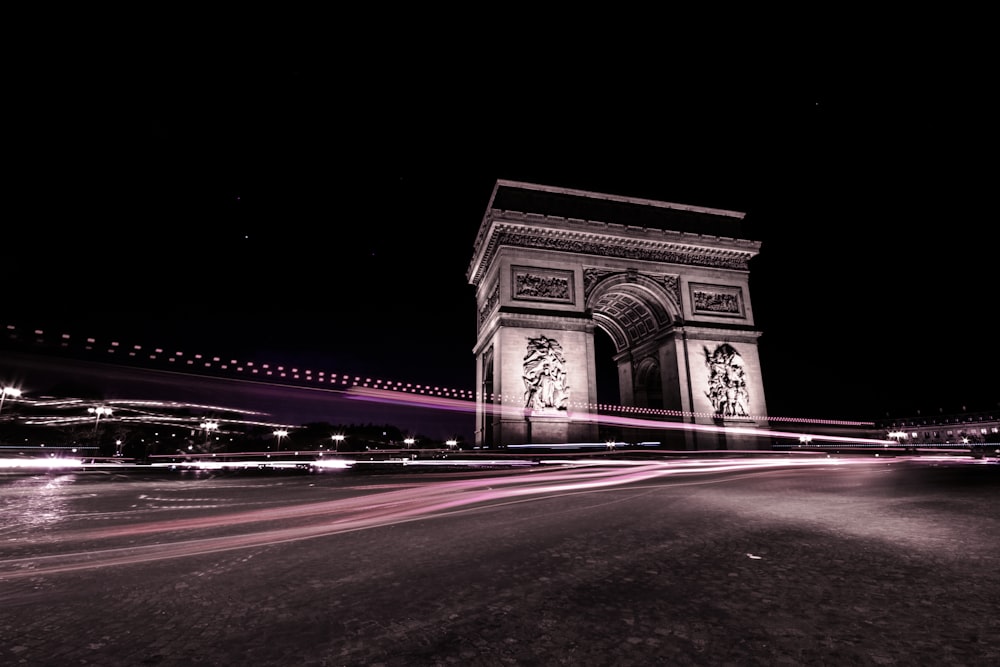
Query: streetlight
x,y
451,443
13,392
409,442
337,439
209,426
98,412
279,434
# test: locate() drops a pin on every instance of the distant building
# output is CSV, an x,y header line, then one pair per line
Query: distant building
x,y
966,429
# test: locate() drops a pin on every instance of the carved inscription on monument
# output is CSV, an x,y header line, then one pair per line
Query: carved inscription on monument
x,y
544,373
718,300
531,284
727,381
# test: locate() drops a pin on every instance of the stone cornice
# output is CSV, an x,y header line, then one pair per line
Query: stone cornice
x,y
521,230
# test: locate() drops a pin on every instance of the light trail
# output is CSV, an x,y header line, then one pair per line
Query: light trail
x,y
41,463
357,385
401,503
517,412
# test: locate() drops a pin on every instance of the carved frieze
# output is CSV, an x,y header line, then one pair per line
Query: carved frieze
x,y
674,254
535,284
717,300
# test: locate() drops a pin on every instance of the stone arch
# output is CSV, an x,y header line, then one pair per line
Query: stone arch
x,y
667,282
631,307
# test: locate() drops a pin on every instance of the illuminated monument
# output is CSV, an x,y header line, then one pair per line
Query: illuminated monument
x,y
669,285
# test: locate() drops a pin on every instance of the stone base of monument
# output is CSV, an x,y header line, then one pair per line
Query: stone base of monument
x,y
738,433
549,425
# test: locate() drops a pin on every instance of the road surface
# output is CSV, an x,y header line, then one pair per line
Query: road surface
x,y
849,560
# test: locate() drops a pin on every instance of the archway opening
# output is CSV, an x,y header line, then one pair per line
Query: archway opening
x,y
607,370
649,385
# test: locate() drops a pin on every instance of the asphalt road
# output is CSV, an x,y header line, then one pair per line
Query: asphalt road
x,y
845,561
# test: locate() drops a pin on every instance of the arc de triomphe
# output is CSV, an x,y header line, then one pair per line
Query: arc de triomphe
x,y
669,285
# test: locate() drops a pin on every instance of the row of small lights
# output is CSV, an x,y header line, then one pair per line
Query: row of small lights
x,y
897,436
710,415
202,361
334,380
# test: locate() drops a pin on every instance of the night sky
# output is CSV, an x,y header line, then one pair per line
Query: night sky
x,y
307,215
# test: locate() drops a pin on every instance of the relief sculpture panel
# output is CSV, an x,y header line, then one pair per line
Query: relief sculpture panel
x,y
727,382
718,300
531,284
544,373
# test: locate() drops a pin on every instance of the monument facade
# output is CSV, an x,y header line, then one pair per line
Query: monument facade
x,y
668,284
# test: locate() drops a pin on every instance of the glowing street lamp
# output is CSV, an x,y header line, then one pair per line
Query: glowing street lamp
x,y
337,439
209,426
409,442
279,434
451,443
98,413
13,392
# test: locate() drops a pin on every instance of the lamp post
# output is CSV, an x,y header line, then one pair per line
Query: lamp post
x,y
409,442
451,443
98,413
279,434
209,426
337,439
13,392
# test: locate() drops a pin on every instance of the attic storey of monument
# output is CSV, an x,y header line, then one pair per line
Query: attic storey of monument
x,y
552,266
